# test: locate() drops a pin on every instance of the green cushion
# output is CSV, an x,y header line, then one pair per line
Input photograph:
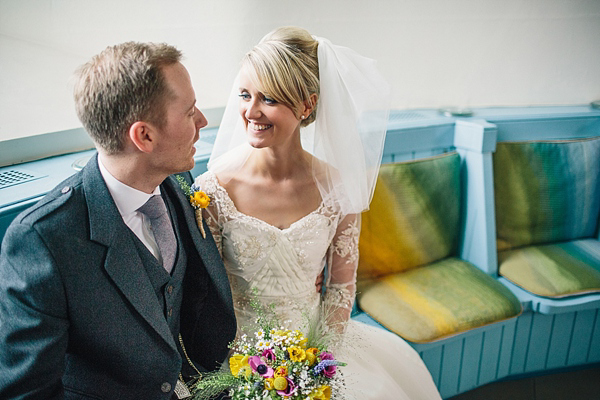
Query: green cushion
x,y
413,218
554,270
546,191
437,300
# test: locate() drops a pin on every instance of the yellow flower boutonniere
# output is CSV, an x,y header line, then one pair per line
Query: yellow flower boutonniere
x,y
198,200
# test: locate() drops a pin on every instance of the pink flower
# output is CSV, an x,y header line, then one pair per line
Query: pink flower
x,y
269,354
289,390
325,355
260,367
330,370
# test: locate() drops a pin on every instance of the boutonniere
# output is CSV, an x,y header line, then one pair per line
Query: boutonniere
x,y
198,200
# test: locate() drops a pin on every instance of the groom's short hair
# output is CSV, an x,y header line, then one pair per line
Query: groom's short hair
x,y
121,85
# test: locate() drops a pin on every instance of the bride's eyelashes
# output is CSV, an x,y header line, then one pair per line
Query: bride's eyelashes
x,y
246,97
269,100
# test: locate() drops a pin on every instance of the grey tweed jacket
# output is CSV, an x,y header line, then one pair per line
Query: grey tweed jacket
x,y
79,318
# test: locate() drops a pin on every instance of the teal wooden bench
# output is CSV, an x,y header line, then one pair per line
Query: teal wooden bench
x,y
550,333
547,234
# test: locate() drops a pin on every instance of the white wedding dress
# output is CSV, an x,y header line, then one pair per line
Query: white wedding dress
x,y
280,266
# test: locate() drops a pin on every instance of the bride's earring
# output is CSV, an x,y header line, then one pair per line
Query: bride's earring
x,y
302,117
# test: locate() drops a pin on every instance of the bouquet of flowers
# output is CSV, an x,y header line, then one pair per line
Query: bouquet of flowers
x,y
276,363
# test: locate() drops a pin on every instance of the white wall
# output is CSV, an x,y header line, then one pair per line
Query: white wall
x,y
434,52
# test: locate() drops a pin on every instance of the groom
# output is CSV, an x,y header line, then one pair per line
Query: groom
x,y
106,278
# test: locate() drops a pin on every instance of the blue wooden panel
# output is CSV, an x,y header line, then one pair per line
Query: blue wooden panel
x,y
550,128
506,350
594,351
471,362
541,330
432,358
419,138
562,330
582,335
490,355
387,159
521,344
478,239
450,373
200,167
7,214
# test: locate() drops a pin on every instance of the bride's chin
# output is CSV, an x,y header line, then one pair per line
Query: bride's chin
x,y
255,142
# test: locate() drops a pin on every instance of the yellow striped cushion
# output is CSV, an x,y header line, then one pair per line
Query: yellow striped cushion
x,y
554,270
437,300
413,218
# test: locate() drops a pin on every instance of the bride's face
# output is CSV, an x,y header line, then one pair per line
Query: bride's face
x,y
268,123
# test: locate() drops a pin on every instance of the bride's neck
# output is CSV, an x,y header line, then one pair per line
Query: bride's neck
x,y
280,165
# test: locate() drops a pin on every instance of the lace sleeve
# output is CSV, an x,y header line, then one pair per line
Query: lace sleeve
x,y
341,280
211,213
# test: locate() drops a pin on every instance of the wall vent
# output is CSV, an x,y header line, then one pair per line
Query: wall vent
x,y
17,176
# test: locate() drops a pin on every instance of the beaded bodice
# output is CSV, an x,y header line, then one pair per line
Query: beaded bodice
x,y
280,266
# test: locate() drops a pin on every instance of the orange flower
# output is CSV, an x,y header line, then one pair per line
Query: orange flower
x,y
281,371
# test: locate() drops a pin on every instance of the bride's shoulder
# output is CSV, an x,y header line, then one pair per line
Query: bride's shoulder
x,y
207,182
326,174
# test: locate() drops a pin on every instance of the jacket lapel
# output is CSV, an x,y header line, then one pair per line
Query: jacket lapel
x,y
123,263
205,246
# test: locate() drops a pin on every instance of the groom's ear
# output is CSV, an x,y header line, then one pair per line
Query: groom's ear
x,y
143,136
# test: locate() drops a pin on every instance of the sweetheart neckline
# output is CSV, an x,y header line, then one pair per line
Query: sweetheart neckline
x,y
230,200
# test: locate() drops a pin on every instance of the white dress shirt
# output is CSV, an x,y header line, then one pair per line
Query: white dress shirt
x,y
128,200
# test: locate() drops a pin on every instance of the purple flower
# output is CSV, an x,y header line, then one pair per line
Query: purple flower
x,y
289,390
260,367
269,354
327,367
325,355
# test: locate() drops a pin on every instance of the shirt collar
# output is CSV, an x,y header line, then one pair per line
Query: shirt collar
x,y
127,199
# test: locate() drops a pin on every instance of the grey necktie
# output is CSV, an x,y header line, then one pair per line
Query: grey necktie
x,y
160,222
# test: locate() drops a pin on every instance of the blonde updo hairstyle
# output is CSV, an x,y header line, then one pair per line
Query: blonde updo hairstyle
x,y
285,68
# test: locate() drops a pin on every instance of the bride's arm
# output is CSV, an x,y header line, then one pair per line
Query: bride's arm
x,y
341,280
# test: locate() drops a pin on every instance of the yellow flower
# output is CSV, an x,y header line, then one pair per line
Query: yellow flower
x,y
296,354
280,383
270,383
311,355
320,393
282,372
236,362
200,199
246,371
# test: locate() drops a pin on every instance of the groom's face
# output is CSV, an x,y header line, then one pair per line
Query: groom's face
x,y
176,137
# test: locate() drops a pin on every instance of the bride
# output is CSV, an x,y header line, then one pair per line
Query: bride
x,y
286,202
